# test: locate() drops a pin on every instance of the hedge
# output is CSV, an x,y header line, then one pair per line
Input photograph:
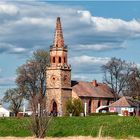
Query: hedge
x,y
103,114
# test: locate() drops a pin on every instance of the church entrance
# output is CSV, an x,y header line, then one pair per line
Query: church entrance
x,y
54,109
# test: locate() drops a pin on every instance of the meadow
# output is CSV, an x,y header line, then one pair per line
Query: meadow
x,y
112,126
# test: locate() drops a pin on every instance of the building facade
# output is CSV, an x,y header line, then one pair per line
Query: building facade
x,y
4,112
97,96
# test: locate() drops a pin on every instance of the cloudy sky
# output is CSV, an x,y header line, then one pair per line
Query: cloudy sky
x,y
93,31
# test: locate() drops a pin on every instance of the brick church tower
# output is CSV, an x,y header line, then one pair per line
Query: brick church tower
x,y
58,75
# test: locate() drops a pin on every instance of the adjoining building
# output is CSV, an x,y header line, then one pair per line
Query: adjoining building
x,y
94,94
125,106
60,88
4,112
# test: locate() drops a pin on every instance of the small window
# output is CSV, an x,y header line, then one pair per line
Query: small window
x,y
59,59
64,60
53,59
99,103
107,102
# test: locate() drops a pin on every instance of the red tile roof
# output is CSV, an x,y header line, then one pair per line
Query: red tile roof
x,y
125,102
87,89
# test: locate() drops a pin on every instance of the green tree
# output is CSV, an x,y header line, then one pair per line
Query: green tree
x,y
74,106
78,107
69,107
14,97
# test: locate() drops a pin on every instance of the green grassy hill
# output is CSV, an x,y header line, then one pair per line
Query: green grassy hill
x,y
113,126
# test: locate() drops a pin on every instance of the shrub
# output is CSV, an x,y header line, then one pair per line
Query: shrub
x,y
69,107
78,107
74,106
103,114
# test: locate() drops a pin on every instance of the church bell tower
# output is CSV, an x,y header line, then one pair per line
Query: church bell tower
x,y
58,75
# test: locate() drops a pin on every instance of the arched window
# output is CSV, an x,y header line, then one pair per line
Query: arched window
x,y
59,59
54,109
53,59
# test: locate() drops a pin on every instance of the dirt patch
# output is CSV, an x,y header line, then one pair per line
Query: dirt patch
x,y
63,138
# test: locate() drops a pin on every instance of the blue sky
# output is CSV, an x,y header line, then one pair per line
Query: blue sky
x,y
94,32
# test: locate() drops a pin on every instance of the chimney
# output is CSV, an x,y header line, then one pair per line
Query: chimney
x,y
94,82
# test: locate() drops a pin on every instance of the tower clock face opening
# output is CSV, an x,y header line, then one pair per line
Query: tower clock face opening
x,y
53,78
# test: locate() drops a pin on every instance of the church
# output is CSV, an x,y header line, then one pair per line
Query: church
x,y
60,87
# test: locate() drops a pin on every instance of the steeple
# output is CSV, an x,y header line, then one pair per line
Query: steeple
x,y
58,37
58,75
58,51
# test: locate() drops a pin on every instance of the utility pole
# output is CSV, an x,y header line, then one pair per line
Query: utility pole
x,y
24,108
85,108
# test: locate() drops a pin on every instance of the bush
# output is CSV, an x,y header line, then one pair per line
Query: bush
x,y
74,106
78,107
69,107
103,114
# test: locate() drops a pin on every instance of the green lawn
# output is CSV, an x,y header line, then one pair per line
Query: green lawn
x,y
113,126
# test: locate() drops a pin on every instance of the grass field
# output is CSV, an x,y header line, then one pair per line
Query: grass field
x,y
113,126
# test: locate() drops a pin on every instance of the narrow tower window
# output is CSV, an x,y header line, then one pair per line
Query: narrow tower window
x,y
53,59
59,59
64,60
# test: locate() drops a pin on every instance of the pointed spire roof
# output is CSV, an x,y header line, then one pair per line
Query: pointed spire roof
x,y
58,37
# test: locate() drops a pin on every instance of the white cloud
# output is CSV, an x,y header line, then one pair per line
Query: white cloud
x,y
8,9
111,25
100,47
86,77
11,49
114,25
4,81
89,60
85,67
18,50
33,23
26,26
80,77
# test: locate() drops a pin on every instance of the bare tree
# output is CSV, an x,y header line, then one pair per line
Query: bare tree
x,y
14,97
116,73
32,81
133,84
32,77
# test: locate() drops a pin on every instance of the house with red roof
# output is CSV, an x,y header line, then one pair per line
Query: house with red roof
x,y
125,106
